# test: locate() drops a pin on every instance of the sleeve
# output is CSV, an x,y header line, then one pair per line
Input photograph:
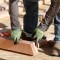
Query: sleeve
x,y
50,14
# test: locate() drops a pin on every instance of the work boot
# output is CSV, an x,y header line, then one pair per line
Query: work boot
x,y
16,35
50,43
43,42
27,36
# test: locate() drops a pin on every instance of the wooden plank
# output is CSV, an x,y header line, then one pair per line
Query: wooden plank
x,y
25,47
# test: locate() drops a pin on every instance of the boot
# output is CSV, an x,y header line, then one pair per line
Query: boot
x,y
27,36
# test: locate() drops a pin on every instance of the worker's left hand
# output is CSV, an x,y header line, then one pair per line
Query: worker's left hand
x,y
16,35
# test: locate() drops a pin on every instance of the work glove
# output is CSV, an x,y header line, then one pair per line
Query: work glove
x,y
16,35
38,35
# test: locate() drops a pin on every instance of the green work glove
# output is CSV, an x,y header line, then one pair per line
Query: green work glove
x,y
16,35
39,34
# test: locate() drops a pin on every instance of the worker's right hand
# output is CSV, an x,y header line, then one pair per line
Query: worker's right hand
x,y
39,34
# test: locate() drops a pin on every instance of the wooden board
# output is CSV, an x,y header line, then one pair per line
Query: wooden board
x,y
25,47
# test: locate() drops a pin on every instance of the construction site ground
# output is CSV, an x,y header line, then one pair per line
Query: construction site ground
x,y
6,55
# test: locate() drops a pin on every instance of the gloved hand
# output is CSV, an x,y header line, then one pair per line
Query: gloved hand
x,y
39,34
16,35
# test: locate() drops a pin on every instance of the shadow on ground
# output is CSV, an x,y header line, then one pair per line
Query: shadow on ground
x,y
49,48
3,28
2,25
2,59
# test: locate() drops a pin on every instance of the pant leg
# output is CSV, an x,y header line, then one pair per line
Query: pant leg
x,y
32,0
13,11
31,16
57,27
